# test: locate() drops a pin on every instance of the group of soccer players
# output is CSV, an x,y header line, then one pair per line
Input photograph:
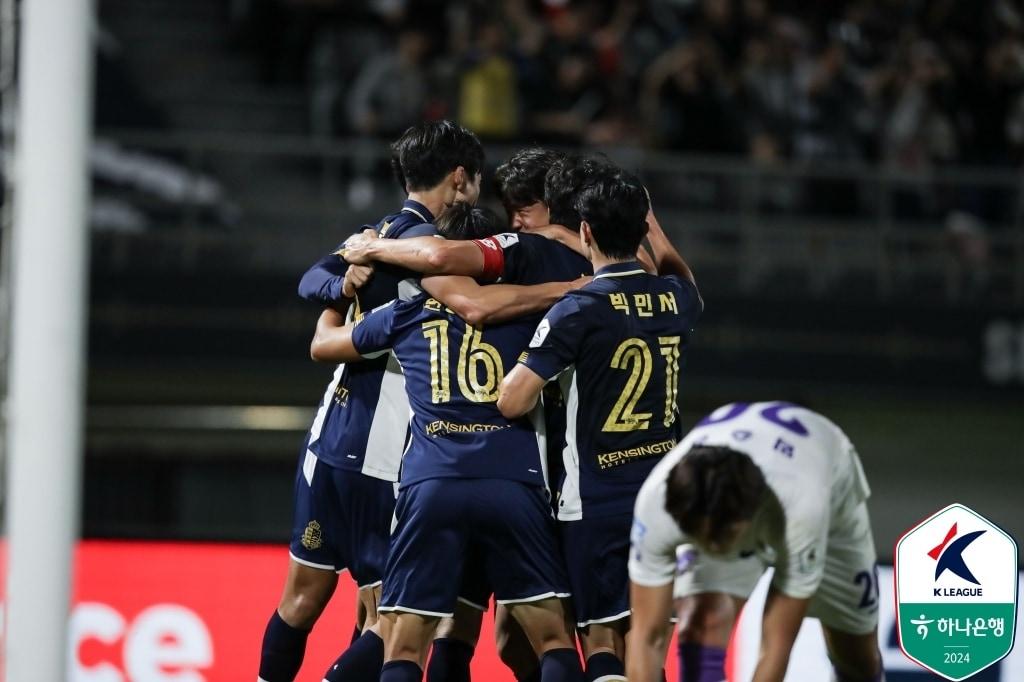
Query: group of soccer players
x,y
503,420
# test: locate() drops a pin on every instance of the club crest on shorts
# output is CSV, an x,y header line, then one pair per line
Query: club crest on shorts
x,y
312,537
956,592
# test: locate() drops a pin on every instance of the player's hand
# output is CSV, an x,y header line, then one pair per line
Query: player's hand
x,y
355,277
356,249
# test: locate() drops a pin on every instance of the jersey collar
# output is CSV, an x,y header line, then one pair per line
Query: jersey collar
x,y
625,269
418,209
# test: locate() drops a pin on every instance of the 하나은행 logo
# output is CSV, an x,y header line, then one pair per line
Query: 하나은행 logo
x,y
956,592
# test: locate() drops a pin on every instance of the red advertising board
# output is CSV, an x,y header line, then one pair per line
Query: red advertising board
x,y
189,612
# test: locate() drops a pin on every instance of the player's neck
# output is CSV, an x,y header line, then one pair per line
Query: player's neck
x,y
599,260
432,199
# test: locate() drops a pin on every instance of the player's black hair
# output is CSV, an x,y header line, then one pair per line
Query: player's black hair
x,y
715,483
464,221
614,204
563,182
520,180
428,151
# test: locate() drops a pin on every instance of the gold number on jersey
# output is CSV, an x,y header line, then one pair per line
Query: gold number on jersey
x,y
475,358
474,354
634,355
436,333
669,346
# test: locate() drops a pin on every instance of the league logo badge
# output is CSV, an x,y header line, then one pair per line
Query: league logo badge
x,y
956,592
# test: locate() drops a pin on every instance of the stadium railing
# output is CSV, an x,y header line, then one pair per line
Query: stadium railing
x,y
946,234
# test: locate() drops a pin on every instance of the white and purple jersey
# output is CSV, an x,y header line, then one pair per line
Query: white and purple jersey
x,y
812,471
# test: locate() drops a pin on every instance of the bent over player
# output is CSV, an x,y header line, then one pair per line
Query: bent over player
x,y
755,485
616,346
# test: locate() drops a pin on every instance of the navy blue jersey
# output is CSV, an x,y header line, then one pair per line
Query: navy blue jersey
x,y
523,258
452,374
361,421
624,336
529,259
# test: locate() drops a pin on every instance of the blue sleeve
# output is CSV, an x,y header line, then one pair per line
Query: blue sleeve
x,y
322,282
556,342
374,334
691,304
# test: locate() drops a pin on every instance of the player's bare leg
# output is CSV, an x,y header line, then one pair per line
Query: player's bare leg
x,y
705,625
546,625
360,617
454,643
855,658
513,646
369,600
406,646
306,592
365,654
604,649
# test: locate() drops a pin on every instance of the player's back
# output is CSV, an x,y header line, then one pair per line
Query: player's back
x,y
802,453
452,374
622,397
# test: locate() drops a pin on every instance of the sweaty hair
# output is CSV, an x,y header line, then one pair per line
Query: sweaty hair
x,y
428,151
614,204
463,221
520,180
562,183
717,483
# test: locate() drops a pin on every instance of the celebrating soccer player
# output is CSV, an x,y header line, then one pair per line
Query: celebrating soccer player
x,y
616,345
344,498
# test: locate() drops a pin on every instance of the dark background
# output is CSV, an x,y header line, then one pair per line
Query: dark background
x,y
844,179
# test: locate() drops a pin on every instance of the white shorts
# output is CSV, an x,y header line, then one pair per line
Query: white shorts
x,y
846,599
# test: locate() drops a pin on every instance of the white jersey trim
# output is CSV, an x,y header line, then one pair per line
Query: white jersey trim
x,y
536,597
472,604
386,440
309,467
609,619
627,273
416,213
322,567
367,586
570,504
405,609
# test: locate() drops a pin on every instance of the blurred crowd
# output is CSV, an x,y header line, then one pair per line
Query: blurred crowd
x,y
908,83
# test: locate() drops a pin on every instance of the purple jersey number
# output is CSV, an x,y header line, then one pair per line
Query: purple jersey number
x,y
769,414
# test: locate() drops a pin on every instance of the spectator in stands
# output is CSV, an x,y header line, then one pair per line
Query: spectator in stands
x,y
390,93
489,86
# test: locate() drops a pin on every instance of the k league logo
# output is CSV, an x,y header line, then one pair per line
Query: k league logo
x,y
956,592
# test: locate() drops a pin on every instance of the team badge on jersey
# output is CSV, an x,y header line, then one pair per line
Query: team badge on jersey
x,y
956,592
312,537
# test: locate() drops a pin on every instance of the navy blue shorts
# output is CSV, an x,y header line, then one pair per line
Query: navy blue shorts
x,y
597,556
447,527
475,589
342,520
